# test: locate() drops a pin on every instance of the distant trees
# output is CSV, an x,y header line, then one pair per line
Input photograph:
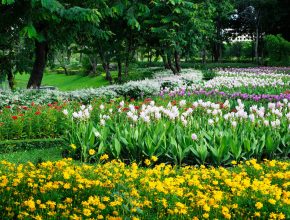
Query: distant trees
x,y
115,31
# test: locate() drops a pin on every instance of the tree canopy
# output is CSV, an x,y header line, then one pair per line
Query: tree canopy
x,y
35,31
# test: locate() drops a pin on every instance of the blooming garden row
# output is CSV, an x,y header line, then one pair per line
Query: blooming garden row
x,y
249,81
153,158
64,190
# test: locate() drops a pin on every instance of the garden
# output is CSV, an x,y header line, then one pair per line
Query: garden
x,y
168,147
144,110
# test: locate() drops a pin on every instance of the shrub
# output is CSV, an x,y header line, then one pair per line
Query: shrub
x,y
278,50
208,74
28,144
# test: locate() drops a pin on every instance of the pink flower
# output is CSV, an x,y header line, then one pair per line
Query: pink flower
x,y
194,137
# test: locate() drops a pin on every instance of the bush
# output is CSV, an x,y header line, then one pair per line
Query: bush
x,y
208,74
18,145
278,50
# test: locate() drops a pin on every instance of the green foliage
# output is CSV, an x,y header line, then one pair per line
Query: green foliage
x,y
208,74
10,146
278,50
34,155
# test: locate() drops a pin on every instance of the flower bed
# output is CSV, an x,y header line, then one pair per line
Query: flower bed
x,y
181,132
134,89
32,122
64,190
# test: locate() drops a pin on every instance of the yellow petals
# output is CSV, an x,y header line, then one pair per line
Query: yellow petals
x,y
104,157
92,152
73,146
259,205
154,158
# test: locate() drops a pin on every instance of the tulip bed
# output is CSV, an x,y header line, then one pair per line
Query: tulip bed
x,y
181,132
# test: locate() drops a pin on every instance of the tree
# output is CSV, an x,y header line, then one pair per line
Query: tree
x,y
222,12
48,22
254,17
177,27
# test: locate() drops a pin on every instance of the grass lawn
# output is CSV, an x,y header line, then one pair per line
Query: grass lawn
x,y
78,81
34,156
63,82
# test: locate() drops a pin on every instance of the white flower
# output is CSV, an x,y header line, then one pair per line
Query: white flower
x,y
97,134
65,112
135,118
271,105
252,117
102,122
182,103
86,113
234,124
226,104
75,115
210,121
83,107
102,107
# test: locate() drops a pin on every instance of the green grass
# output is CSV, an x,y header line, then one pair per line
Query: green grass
x,y
78,81
34,156
63,82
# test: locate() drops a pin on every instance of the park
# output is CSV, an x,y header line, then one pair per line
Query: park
x,y
123,109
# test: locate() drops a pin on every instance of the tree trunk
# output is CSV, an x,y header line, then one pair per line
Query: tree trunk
x,y
119,70
217,44
165,62
257,45
171,66
253,49
164,59
257,37
68,55
177,61
65,70
106,66
41,49
93,63
203,56
216,52
126,68
10,78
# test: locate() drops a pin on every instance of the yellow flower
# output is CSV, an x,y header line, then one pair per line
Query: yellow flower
x,y
234,162
66,186
87,212
92,152
205,215
147,162
257,214
154,158
73,146
68,200
206,208
272,201
104,157
281,216
259,205
235,206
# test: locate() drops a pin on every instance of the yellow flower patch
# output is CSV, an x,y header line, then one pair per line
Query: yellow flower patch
x,y
66,190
